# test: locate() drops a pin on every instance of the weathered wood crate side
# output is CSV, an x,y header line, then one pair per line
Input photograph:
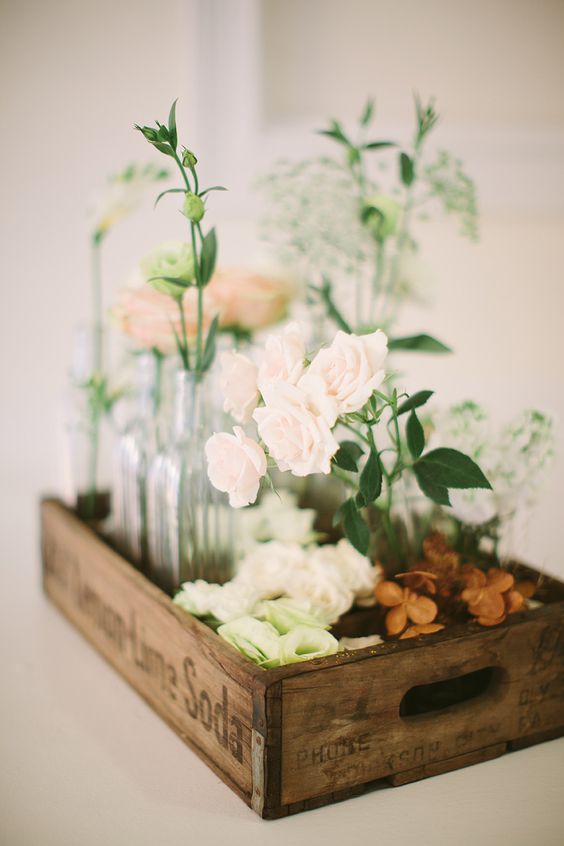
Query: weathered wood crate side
x,y
197,683
341,727
302,736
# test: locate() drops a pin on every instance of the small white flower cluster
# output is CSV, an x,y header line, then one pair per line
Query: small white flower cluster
x,y
301,405
323,581
515,459
275,517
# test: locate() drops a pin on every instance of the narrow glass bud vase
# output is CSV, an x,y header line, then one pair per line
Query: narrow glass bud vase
x,y
191,525
88,429
136,448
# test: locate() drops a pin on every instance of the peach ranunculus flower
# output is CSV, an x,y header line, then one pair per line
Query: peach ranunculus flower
x,y
236,464
250,301
238,383
297,438
348,371
150,318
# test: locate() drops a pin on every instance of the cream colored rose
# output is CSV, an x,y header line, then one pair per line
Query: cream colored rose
x,y
250,301
285,614
283,357
150,318
238,384
358,572
297,438
236,465
196,597
348,371
276,517
232,600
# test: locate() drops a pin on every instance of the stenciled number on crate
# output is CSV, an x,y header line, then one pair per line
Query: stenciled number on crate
x,y
130,642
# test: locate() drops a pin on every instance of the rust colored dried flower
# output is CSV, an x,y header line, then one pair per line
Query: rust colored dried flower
x,y
490,596
415,631
526,588
405,605
419,580
440,557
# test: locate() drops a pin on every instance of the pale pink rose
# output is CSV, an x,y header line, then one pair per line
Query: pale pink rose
x,y
248,300
283,357
348,371
236,465
238,384
297,438
150,318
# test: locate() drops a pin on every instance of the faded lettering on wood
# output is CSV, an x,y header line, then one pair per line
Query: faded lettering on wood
x,y
138,630
342,726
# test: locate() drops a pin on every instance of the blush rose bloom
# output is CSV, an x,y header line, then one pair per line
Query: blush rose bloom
x,y
150,318
297,438
236,465
249,300
348,371
238,384
283,357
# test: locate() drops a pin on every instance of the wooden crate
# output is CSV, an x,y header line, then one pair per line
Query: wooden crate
x,y
297,737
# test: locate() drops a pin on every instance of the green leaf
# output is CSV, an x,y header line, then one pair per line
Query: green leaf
x,y
209,349
414,401
407,170
437,493
371,478
213,188
172,125
418,343
169,191
355,528
175,280
451,469
337,516
367,113
378,145
347,456
335,131
415,435
208,257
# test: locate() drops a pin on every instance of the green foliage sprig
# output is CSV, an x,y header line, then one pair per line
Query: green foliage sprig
x,y
164,137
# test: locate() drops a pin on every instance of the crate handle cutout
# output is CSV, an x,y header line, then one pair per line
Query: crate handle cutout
x,y
454,691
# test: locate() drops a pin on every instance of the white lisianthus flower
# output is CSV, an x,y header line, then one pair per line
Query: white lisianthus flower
x,y
283,357
297,438
350,643
349,370
165,264
233,600
286,614
197,597
238,384
268,567
259,641
236,464
304,643
322,587
358,572
276,517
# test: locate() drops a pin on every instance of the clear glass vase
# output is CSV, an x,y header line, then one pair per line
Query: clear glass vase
x,y
136,448
191,525
88,429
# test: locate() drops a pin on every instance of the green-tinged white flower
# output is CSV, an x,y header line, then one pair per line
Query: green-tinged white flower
x,y
165,264
123,195
381,214
285,615
257,640
197,597
193,207
304,643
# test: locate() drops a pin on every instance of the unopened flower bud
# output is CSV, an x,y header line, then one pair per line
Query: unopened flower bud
x,y
194,208
381,214
188,158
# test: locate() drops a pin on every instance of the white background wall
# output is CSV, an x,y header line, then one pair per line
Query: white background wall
x,y
254,79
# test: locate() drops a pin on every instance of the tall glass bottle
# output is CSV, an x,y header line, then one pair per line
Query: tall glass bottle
x,y
88,429
136,448
191,525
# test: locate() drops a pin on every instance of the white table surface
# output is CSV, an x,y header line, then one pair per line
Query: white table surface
x,y
85,761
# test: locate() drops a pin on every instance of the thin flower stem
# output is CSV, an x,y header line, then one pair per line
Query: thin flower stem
x,y
183,346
